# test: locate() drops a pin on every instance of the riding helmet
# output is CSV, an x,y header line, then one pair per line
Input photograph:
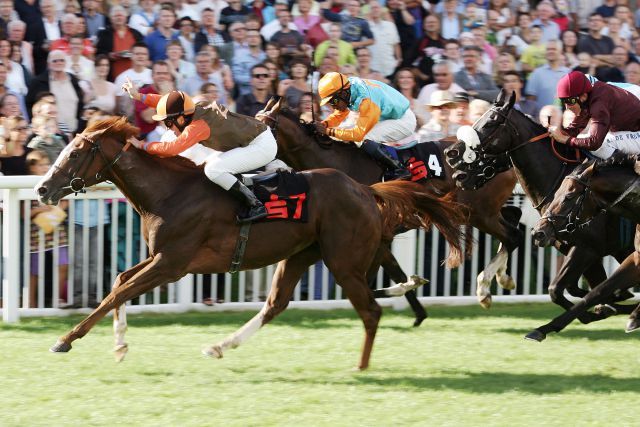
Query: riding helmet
x,y
573,85
174,103
331,83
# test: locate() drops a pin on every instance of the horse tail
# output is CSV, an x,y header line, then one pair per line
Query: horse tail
x,y
405,204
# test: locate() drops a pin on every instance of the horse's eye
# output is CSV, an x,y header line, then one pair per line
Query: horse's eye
x,y
74,155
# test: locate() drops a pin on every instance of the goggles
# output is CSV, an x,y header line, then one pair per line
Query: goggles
x,y
570,101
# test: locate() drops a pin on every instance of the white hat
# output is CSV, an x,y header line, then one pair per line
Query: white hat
x,y
440,97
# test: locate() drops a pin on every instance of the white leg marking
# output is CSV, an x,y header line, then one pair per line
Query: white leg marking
x,y
485,277
119,329
400,289
238,337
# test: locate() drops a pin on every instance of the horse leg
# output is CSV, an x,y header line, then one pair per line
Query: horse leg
x,y
628,273
154,274
509,219
595,275
483,289
634,322
284,281
119,314
404,286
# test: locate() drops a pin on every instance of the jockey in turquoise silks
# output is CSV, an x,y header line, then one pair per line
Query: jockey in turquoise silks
x,y
384,116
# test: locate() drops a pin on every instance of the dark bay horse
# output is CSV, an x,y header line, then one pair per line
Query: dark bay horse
x,y
592,189
189,226
302,149
540,170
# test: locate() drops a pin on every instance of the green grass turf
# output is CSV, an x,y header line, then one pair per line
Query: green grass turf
x,y
463,367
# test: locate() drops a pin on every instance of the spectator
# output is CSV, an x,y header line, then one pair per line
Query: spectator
x,y
46,219
186,37
569,40
291,42
65,88
274,74
534,55
476,83
479,32
103,92
7,14
139,73
460,111
632,73
309,107
221,72
634,53
234,12
597,45
181,70
13,155
607,8
264,12
117,42
204,74
254,101
451,20
161,84
210,92
9,101
477,108
305,18
406,83
541,86
439,126
45,31
561,16
95,20
614,31
157,40
292,89
17,30
46,106
627,27
404,22
505,62
443,75
215,5
77,64
513,82
550,30
344,50
68,24
274,26
506,19
585,64
451,53
186,9
363,66
208,34
386,43
47,137
431,46
517,39
356,30
614,73
17,78
143,20
247,52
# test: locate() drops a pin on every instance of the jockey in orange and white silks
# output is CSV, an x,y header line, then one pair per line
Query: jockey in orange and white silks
x,y
612,110
229,143
384,115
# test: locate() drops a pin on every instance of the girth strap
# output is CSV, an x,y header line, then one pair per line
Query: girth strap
x,y
241,245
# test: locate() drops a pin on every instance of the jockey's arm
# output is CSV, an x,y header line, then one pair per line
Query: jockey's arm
x,y
597,132
369,116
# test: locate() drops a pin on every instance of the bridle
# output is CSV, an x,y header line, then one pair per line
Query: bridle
x,y
274,130
573,217
77,184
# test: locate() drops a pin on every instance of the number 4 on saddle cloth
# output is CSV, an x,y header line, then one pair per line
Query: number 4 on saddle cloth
x,y
284,193
424,160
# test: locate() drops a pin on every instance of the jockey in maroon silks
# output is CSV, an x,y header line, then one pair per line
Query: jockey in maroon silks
x,y
610,109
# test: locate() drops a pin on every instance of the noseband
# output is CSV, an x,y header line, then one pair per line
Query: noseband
x,y
77,184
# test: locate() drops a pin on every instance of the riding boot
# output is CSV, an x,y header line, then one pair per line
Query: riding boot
x,y
380,155
254,208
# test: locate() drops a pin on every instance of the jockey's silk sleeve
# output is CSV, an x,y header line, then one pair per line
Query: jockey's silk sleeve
x,y
335,118
197,131
600,125
151,99
369,116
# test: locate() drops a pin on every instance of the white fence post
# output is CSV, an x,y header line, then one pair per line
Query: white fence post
x,y
185,290
404,249
11,255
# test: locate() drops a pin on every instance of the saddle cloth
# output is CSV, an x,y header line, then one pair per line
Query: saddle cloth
x,y
284,193
424,160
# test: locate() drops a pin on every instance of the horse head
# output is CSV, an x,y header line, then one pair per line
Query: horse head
x,y
482,150
86,161
573,207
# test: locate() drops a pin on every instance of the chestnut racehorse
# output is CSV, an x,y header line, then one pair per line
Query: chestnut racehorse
x,y
189,226
302,149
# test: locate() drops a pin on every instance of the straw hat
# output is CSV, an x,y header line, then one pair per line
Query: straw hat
x,y
440,98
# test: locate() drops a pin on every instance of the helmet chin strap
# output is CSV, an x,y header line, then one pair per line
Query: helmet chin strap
x,y
187,122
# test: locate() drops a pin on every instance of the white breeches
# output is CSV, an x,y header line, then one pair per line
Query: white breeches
x,y
220,166
627,142
393,130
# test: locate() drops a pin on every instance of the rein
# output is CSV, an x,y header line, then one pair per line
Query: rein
x,y
77,184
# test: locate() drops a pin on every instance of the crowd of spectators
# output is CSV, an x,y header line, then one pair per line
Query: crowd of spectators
x,y
62,62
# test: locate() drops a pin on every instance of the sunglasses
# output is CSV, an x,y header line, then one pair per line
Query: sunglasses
x,y
334,101
261,76
570,101
168,123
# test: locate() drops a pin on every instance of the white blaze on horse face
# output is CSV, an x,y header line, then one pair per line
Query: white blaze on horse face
x,y
469,136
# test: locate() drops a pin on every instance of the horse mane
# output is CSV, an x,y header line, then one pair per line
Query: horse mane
x,y
120,129
617,160
532,121
308,127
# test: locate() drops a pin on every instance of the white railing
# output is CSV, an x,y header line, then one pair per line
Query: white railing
x,y
119,246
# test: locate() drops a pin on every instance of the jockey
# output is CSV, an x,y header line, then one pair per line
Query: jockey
x,y
239,144
384,117
609,107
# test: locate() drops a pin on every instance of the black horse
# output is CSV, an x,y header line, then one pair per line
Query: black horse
x,y
540,167
591,190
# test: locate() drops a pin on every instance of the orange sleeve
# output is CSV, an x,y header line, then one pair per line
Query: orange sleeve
x,y
369,116
335,118
197,131
151,99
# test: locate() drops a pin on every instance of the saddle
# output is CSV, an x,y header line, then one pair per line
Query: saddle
x,y
423,159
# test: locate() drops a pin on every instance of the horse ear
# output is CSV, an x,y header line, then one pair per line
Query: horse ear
x,y
502,97
512,100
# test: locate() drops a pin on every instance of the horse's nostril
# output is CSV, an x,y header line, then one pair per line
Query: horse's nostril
x,y
42,191
539,235
452,154
460,176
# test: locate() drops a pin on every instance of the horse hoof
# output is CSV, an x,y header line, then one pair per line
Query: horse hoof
x,y
120,351
508,284
213,351
535,335
604,311
417,281
632,325
485,302
60,347
419,320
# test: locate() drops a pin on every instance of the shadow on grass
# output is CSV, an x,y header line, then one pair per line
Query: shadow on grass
x,y
592,335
